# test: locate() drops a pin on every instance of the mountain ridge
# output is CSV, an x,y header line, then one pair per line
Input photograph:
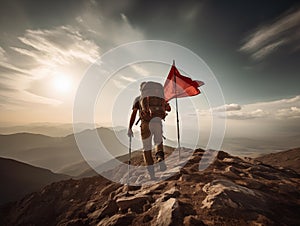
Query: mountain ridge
x,y
20,178
289,158
230,191
37,149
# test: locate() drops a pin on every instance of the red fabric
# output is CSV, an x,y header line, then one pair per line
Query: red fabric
x,y
185,86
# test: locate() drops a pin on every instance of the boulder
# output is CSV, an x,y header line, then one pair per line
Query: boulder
x,y
109,208
168,213
135,203
222,194
171,193
192,221
117,219
172,212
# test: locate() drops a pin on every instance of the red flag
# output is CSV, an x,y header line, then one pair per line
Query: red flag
x,y
185,86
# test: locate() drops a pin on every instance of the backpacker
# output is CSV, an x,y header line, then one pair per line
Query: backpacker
x,y
152,101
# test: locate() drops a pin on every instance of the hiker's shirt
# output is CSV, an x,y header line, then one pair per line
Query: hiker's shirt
x,y
136,105
147,128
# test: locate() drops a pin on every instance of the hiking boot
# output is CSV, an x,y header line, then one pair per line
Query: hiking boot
x,y
160,157
162,165
151,172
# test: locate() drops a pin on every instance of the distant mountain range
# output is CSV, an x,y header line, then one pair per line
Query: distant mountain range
x,y
245,146
59,154
51,129
288,159
18,179
48,129
259,146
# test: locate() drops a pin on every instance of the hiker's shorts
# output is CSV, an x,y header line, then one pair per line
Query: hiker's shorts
x,y
149,130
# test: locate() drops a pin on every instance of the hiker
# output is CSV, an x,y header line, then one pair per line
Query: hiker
x,y
152,109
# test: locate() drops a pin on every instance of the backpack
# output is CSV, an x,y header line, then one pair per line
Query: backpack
x,y
152,101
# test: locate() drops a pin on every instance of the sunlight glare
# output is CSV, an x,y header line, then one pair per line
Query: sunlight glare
x,y
62,83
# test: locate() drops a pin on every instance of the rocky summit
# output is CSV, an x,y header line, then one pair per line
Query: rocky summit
x,y
230,191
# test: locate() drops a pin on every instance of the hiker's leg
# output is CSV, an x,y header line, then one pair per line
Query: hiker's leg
x,y
156,128
149,162
147,146
159,151
148,158
146,136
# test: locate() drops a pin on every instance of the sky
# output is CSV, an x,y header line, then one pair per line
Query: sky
x,y
252,48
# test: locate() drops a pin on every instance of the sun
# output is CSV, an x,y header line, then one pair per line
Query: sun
x,y
62,83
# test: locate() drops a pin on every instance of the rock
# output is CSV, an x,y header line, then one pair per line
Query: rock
x,y
170,172
232,172
231,191
77,222
135,203
90,207
153,189
142,179
192,221
222,155
109,208
171,193
184,177
117,219
224,193
168,213
147,218
228,160
110,188
172,212
95,215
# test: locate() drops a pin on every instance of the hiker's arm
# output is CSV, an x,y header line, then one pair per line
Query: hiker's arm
x,y
168,107
132,117
131,122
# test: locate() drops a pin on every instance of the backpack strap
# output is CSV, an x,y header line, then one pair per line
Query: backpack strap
x,y
148,105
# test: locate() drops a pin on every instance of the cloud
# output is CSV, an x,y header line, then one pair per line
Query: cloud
x,y
277,104
269,37
58,46
108,29
119,84
140,70
228,107
22,99
287,108
191,13
266,50
127,78
38,54
2,55
243,115
288,113
124,18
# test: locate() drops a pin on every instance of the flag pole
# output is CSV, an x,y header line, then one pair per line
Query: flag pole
x,y
177,118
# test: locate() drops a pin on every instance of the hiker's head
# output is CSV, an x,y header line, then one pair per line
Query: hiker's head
x,y
142,85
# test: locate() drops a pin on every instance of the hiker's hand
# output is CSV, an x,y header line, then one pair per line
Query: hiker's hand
x,y
168,107
130,133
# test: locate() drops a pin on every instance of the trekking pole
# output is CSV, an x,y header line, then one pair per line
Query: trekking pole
x,y
137,122
129,162
177,117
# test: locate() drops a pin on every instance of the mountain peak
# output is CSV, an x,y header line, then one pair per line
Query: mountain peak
x,y
231,191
